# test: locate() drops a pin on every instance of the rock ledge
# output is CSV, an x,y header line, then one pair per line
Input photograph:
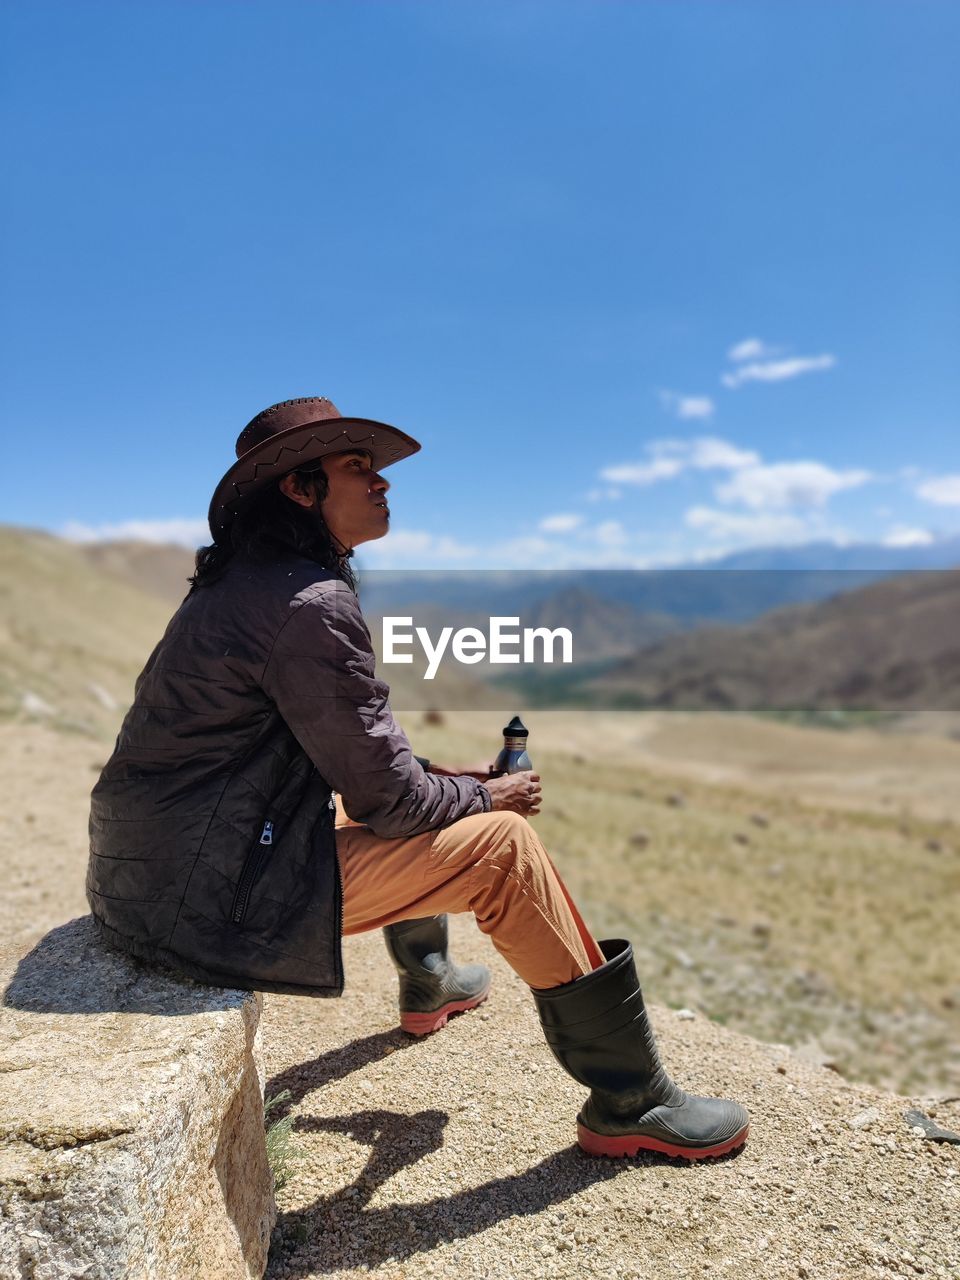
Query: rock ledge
x,y
131,1120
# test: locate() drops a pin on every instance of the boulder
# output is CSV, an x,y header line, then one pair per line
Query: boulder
x,y
131,1120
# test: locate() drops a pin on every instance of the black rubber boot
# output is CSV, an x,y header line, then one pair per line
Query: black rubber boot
x,y
599,1032
432,986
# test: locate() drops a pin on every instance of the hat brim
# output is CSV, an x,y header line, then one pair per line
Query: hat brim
x,y
287,450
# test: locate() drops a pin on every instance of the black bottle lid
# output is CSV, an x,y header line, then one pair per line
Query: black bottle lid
x,y
516,729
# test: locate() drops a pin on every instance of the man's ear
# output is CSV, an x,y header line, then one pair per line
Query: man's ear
x,y
292,486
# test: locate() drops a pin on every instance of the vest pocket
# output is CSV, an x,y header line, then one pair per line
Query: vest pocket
x,y
251,869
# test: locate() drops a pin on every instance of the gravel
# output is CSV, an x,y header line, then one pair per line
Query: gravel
x,y
454,1156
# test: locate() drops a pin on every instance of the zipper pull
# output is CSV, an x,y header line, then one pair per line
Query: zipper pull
x,y
266,835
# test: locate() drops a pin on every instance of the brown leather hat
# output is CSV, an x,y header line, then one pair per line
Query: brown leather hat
x,y
291,434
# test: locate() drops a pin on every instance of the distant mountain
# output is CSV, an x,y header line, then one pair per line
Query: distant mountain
x,y
690,597
817,556
604,628
892,646
736,588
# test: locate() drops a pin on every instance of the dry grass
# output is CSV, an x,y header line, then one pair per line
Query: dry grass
x,y
788,920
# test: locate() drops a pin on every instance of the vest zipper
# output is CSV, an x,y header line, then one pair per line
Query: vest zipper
x,y
249,873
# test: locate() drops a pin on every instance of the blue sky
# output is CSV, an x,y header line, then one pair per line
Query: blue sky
x,y
650,281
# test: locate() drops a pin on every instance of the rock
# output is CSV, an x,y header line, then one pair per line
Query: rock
x,y
34,705
131,1121
741,837
676,800
760,820
103,696
932,1132
640,839
934,846
864,1119
685,1015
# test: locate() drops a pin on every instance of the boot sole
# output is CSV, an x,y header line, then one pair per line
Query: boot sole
x,y
601,1144
424,1024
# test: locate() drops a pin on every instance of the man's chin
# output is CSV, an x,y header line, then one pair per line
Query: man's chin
x,y
375,534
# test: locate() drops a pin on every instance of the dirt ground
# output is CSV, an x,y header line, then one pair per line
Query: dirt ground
x,y
454,1156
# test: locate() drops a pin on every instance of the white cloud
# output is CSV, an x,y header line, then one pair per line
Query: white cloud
x,y
668,458
734,526
643,473
902,535
604,495
751,349
184,532
525,552
610,533
942,490
562,523
687,406
414,548
788,484
707,453
777,370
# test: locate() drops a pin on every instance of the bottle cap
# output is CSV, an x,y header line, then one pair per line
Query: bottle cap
x,y
516,729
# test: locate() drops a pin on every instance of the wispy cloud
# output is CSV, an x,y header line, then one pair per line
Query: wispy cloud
x,y
687,407
610,534
752,349
643,473
560,523
780,485
942,490
706,453
734,526
403,546
183,532
902,535
668,458
777,370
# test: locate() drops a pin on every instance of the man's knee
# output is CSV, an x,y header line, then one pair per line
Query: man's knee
x,y
509,840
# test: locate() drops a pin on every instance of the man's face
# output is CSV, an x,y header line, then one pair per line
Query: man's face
x,y
355,509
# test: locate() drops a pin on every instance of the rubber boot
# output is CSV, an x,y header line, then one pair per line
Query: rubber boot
x,y
598,1029
432,986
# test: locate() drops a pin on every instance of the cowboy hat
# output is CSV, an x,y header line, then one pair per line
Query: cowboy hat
x,y
287,436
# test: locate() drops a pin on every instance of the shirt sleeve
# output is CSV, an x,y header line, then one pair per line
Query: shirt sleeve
x,y
321,676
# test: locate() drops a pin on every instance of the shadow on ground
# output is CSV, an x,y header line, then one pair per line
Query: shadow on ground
x,y
342,1228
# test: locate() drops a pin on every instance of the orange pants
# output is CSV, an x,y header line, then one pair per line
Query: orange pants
x,y
492,864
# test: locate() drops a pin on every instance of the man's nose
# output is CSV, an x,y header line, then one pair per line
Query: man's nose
x,y
378,482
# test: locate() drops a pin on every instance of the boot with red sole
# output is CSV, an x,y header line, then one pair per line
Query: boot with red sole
x,y
599,1032
432,985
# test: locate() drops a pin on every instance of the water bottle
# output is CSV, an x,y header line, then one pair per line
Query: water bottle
x,y
513,758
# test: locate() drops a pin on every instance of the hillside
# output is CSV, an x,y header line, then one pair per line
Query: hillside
x,y
159,569
74,637
891,646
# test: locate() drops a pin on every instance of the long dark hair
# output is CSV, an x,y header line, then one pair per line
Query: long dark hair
x,y
273,524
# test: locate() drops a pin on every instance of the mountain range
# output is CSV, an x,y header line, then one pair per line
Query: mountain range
x,y
78,621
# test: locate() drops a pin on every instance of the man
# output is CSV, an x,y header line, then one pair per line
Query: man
x,y
214,847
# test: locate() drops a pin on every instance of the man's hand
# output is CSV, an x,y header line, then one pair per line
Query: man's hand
x,y
516,792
